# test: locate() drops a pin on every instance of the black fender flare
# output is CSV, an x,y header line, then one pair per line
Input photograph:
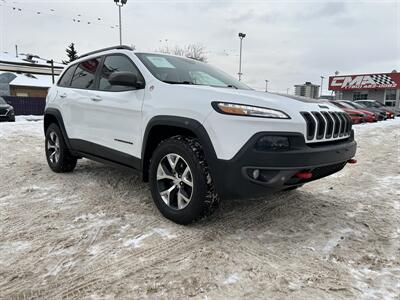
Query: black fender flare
x,y
185,123
55,113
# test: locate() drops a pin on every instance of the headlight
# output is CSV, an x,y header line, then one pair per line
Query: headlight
x,y
248,110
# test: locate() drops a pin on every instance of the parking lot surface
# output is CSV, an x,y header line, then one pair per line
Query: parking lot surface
x,y
96,234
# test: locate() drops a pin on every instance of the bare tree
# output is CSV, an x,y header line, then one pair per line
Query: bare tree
x,y
193,51
196,51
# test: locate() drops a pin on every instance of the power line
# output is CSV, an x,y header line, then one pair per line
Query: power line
x,y
78,18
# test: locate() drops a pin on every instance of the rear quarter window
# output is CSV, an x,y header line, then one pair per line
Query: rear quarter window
x,y
65,80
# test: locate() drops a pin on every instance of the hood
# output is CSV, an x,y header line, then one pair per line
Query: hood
x,y
5,105
286,103
366,112
352,111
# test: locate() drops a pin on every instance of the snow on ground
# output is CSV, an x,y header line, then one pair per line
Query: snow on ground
x,y
95,233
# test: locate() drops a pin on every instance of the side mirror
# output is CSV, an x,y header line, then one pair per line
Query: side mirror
x,y
128,79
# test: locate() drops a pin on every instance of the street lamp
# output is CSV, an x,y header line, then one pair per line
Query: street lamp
x,y
241,37
266,85
322,82
120,3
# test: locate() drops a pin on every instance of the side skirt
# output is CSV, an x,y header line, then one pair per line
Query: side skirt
x,y
106,155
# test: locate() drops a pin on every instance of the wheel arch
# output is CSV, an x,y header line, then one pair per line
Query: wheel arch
x,y
53,115
162,127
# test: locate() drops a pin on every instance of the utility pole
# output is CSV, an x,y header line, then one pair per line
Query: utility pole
x,y
322,82
16,51
266,85
241,37
51,62
120,3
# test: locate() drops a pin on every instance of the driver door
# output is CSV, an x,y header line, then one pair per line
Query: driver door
x,y
115,113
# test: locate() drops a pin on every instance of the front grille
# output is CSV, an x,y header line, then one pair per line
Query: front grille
x,y
3,111
322,126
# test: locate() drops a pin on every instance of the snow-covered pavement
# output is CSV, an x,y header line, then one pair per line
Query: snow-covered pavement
x,y
95,233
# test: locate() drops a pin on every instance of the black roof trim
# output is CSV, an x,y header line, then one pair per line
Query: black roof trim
x,y
124,47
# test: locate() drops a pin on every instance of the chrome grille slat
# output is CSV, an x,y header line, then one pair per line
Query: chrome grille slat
x,y
326,125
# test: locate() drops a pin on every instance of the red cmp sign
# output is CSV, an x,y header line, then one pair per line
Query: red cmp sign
x,y
364,81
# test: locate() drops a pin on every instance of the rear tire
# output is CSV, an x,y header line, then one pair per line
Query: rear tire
x,y
180,182
58,156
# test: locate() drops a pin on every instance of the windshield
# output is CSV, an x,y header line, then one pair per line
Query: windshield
x,y
2,101
347,105
180,70
338,104
377,104
356,105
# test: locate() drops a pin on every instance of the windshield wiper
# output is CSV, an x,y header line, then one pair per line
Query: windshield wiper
x,y
232,86
178,82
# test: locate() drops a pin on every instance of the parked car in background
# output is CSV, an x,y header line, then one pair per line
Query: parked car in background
x,y
368,115
6,111
376,104
381,114
356,116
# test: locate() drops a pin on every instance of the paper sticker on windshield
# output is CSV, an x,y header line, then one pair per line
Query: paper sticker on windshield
x,y
160,62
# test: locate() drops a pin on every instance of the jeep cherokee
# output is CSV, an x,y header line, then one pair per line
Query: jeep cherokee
x,y
192,131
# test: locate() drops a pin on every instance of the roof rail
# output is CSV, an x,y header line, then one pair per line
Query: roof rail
x,y
105,49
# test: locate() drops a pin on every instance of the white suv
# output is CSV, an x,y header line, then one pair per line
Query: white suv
x,y
195,133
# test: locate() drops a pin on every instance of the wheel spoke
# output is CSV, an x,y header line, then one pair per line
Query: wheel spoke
x,y
172,160
52,156
162,173
182,200
187,177
166,195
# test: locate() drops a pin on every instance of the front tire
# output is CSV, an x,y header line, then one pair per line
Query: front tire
x,y
180,182
58,157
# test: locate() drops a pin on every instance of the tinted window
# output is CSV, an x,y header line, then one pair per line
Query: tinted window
x,y
84,76
116,63
67,76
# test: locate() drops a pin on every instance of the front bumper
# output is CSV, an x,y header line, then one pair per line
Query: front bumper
x,y
277,169
8,116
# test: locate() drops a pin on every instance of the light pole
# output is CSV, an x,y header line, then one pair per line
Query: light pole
x,y
241,37
322,82
120,3
266,85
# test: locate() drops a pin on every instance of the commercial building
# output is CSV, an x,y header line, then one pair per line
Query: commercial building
x,y
307,90
383,87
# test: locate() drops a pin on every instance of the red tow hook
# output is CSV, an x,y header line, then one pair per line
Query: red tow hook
x,y
303,175
352,161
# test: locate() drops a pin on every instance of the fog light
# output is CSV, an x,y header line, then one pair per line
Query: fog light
x,y
256,173
273,143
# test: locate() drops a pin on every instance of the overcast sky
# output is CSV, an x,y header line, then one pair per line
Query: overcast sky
x,y
287,42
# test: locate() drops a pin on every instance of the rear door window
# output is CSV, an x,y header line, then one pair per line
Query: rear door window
x,y
117,63
85,74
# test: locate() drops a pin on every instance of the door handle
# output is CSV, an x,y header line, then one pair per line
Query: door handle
x,y
96,98
63,95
